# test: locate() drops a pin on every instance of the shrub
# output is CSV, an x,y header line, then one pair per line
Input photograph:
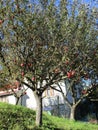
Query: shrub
x,y
12,117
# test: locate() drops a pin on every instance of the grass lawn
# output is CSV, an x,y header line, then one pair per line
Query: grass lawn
x,y
21,118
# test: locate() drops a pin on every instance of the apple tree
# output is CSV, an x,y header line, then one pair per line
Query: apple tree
x,y
32,46
80,61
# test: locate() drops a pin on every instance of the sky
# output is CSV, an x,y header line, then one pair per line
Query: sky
x,y
91,2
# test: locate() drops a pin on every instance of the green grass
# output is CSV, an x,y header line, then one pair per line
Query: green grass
x,y
21,118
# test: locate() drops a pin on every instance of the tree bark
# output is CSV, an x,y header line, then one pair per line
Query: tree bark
x,y
39,109
17,100
72,112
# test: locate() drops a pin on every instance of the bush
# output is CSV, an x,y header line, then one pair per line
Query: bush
x,y
12,117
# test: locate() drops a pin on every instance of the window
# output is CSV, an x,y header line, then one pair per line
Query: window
x,y
49,92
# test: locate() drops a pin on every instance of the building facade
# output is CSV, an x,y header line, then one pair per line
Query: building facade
x,y
53,101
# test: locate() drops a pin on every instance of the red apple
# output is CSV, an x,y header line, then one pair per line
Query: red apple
x,y
19,88
25,93
1,21
22,64
69,74
73,73
22,73
84,91
33,78
67,62
15,87
29,64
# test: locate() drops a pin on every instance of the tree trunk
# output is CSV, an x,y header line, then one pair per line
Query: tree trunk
x,y
17,100
39,109
96,111
72,112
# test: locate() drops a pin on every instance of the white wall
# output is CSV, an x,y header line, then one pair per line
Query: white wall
x,y
12,99
29,101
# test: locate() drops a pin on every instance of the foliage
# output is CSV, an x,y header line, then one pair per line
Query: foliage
x,y
80,60
12,116
30,49
17,117
43,43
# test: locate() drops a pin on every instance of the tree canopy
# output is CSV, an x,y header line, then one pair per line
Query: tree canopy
x,y
44,42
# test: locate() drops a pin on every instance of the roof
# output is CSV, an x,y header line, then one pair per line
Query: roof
x,y
94,99
5,93
7,89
